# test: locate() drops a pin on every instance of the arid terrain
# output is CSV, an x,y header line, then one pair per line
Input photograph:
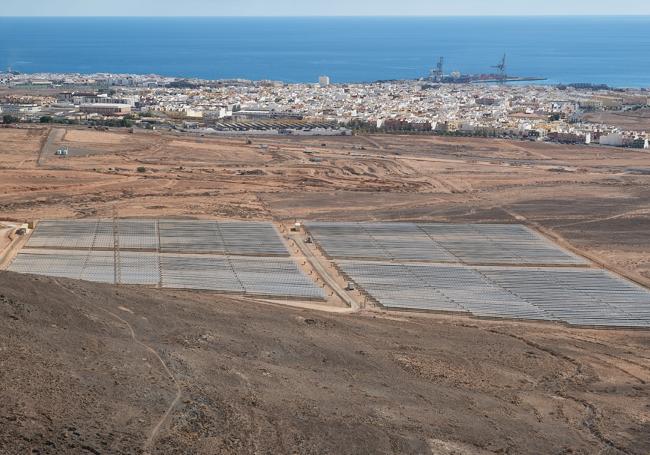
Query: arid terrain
x,y
90,368
635,119
588,198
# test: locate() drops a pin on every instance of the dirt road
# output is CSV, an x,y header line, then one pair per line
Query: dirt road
x,y
322,271
49,146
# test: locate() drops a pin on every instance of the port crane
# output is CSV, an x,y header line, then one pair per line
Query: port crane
x,y
437,74
501,66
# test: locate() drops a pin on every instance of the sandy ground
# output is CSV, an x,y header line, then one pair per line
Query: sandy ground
x,y
5,230
638,120
90,368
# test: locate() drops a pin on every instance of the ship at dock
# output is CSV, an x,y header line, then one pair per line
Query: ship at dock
x,y
500,76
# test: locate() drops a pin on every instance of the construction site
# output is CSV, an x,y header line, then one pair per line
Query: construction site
x,y
357,294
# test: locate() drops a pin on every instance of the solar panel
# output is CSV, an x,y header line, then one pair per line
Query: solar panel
x,y
439,242
56,263
139,268
138,235
190,236
185,271
274,277
99,266
77,234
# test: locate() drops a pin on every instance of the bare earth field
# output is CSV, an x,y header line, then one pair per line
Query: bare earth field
x,y
88,368
638,120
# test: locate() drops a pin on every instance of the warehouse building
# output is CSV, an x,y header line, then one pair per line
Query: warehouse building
x,y
105,108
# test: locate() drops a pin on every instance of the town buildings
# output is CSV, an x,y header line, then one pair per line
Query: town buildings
x,y
534,112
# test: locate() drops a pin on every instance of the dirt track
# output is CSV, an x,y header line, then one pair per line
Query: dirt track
x,y
268,379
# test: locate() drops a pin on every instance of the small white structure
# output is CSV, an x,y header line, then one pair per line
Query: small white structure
x,y
613,139
324,81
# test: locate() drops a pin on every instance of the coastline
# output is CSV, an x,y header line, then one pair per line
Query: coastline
x,y
601,50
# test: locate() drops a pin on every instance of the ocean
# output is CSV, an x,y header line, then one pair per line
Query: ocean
x,y
603,50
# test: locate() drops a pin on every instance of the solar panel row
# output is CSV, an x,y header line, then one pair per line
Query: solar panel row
x,y
169,236
192,254
276,276
577,296
231,237
439,242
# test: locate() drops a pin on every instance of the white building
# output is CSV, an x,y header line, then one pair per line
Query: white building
x,y
20,108
613,139
324,81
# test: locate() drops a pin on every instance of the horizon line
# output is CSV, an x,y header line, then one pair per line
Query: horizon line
x,y
311,16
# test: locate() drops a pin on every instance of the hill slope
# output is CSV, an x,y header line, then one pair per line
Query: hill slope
x,y
88,368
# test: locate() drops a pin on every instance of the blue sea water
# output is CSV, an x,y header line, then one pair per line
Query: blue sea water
x,y
609,50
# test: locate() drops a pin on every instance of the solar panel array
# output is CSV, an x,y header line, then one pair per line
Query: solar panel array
x,y
99,266
103,237
377,241
233,237
499,271
577,296
240,274
57,263
198,271
189,236
137,234
169,236
231,256
251,238
486,270
499,244
441,287
136,267
64,234
439,242
274,276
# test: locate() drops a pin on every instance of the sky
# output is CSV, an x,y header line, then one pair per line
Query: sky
x,y
321,7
